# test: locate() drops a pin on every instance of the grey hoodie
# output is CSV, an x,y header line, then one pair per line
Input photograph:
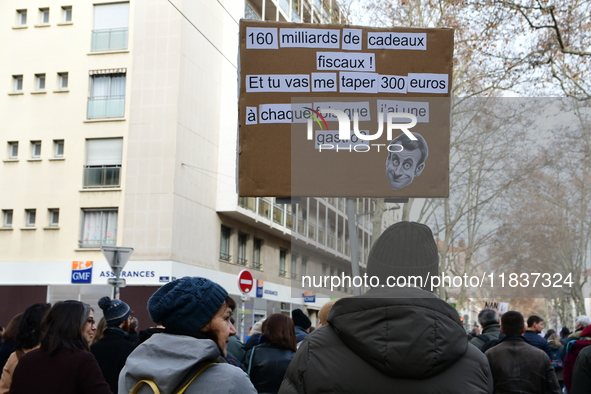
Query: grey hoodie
x,y
168,360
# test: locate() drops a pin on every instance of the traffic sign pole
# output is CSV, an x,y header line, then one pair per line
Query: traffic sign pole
x,y
242,317
117,274
117,257
245,284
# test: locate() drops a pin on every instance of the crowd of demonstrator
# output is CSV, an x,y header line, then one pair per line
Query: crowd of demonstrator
x,y
402,339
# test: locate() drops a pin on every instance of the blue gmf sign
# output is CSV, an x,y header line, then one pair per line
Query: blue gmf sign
x,y
81,271
309,296
259,288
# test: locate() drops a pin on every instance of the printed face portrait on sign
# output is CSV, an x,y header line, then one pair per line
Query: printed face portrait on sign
x,y
406,162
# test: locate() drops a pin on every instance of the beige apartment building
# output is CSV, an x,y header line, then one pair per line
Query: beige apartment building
x,y
119,128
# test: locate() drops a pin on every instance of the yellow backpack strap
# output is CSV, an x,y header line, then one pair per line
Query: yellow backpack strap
x,y
185,387
149,383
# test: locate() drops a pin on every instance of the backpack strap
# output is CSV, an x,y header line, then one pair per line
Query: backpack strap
x,y
250,360
569,345
149,383
181,391
185,387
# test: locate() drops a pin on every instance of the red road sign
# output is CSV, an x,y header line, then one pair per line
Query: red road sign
x,y
245,281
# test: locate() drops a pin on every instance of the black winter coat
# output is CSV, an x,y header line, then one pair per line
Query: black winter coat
x,y
389,340
581,382
111,352
267,367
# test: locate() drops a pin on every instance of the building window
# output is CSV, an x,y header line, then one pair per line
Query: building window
x,y
294,265
103,162
225,243
107,94
58,148
250,13
332,274
43,16
35,149
30,215
242,238
17,83
62,81
111,22
21,17
304,269
256,253
99,227
67,14
40,82
282,255
13,150
54,217
7,218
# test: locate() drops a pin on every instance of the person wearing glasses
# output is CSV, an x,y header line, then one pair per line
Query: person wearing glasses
x,y
112,349
26,339
63,363
190,351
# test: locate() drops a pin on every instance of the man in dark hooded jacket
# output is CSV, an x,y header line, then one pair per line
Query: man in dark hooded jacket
x,y
112,350
302,325
392,339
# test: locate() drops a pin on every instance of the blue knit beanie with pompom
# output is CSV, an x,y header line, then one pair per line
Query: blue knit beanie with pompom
x,y
114,311
187,303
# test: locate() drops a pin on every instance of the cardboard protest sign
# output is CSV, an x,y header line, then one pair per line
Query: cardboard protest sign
x,y
301,86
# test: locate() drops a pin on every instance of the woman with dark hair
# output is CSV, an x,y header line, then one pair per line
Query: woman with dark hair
x,y
8,339
196,313
266,363
63,363
27,338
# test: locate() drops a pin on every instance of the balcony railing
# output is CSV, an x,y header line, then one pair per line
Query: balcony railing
x,y
330,241
225,256
109,39
325,236
247,202
311,231
102,176
301,226
289,220
97,243
241,261
106,107
265,208
321,234
277,214
284,5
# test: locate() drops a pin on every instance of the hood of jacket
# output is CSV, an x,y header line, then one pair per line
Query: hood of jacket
x,y
403,332
299,333
167,359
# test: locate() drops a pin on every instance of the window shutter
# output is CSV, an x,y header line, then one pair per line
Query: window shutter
x,y
104,151
111,16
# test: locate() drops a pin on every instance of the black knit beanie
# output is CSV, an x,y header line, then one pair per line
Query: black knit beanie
x,y
404,249
300,319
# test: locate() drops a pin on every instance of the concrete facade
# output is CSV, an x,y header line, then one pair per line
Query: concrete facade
x,y
174,185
